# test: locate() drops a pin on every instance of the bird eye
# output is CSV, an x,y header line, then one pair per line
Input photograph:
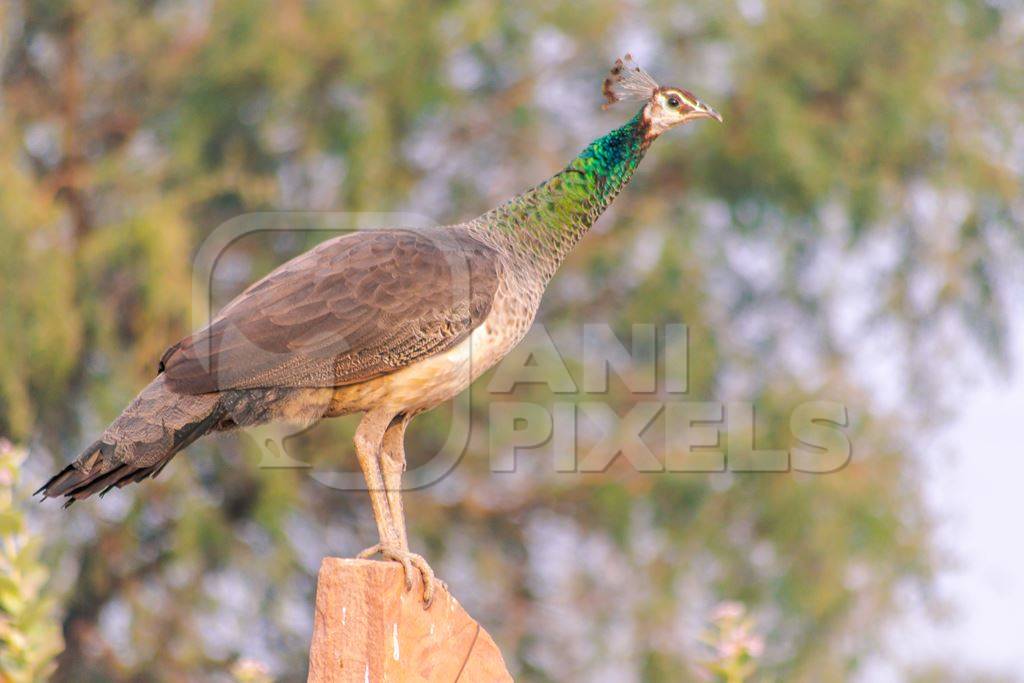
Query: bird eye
x,y
673,101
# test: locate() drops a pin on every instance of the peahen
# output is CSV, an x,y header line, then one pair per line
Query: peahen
x,y
389,323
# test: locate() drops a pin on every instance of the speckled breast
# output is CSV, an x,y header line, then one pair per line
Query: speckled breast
x,y
436,379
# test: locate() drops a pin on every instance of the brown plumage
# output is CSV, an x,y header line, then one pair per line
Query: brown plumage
x,y
139,443
351,309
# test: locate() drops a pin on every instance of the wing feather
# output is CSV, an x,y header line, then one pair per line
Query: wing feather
x,y
351,309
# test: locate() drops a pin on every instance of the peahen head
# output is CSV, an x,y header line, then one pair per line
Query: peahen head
x,y
666,107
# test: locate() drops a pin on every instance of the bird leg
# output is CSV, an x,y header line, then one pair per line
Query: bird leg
x,y
383,463
369,435
392,459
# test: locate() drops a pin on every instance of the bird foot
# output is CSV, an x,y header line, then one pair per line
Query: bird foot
x,y
410,562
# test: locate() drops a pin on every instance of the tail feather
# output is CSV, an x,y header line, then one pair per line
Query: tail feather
x,y
139,443
69,477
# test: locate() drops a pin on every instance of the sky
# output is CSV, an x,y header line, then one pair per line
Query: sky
x,y
974,487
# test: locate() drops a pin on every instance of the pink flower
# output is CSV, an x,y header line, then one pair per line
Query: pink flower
x,y
728,610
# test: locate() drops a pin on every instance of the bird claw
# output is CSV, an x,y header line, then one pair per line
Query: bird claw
x,y
410,562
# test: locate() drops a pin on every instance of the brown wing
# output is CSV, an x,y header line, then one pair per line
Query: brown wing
x,y
353,308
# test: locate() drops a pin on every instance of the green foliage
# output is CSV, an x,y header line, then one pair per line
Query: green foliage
x,y
40,331
30,637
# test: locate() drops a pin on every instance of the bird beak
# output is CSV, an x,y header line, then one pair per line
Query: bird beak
x,y
707,112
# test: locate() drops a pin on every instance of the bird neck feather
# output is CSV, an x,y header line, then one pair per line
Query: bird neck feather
x,y
544,223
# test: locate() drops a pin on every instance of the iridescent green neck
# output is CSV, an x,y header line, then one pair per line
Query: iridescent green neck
x,y
544,223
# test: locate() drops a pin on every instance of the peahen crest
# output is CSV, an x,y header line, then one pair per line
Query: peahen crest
x,y
627,81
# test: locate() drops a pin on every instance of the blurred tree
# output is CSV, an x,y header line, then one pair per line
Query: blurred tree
x,y
855,219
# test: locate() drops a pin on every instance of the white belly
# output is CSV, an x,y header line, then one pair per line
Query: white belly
x,y
436,379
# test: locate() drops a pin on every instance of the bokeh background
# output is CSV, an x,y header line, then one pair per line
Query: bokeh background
x,y
853,232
